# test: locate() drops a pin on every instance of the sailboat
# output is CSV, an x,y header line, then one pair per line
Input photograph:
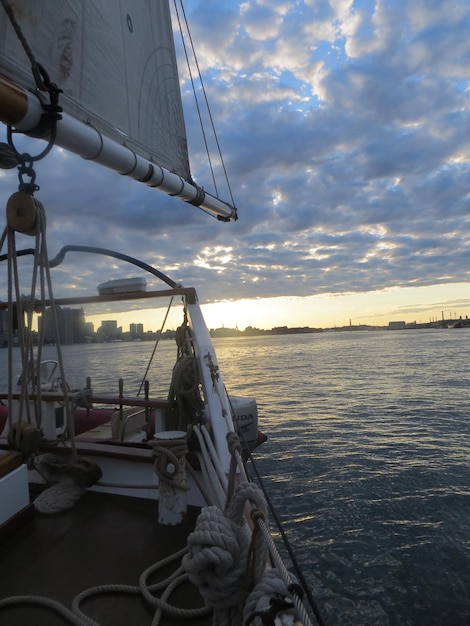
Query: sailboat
x,y
114,507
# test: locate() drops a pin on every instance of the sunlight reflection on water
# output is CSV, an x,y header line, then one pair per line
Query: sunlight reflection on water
x,y
367,459
368,433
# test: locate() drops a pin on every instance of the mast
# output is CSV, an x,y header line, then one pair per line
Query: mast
x,y
23,110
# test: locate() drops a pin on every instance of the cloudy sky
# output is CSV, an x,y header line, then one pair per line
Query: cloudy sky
x,y
345,128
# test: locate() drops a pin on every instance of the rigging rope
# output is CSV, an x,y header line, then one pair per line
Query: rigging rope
x,y
293,558
160,332
26,214
228,568
205,99
40,75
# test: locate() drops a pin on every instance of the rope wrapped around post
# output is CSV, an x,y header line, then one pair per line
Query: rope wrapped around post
x,y
219,552
170,449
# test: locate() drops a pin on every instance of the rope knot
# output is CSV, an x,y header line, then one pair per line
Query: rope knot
x,y
269,602
233,443
218,548
82,398
221,553
258,514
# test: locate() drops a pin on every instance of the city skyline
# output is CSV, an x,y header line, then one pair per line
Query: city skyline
x,y
75,327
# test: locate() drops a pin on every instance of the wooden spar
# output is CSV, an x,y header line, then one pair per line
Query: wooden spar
x,y
23,110
13,103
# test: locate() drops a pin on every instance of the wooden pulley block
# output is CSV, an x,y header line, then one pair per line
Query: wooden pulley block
x,y
21,213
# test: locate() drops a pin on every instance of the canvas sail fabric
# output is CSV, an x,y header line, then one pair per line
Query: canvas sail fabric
x,y
116,63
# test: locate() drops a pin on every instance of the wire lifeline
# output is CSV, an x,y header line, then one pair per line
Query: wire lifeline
x,y
295,563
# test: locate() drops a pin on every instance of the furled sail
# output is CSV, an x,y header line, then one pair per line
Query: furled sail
x,y
116,64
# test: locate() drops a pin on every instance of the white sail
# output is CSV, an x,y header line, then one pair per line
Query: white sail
x,y
116,64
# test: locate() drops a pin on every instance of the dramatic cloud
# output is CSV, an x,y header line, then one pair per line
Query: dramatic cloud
x,y
344,127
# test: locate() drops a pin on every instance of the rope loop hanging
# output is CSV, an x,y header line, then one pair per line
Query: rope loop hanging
x,y
26,214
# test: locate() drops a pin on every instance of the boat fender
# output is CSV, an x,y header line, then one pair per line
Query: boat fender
x,y
261,438
21,213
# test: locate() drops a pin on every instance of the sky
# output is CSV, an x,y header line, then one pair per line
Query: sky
x,y
344,127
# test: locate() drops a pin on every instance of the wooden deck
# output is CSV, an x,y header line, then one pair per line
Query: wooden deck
x,y
103,539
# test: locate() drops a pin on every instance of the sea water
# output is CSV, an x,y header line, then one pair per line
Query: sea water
x,y
366,463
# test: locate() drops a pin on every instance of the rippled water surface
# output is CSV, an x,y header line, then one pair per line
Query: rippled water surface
x,y
368,464
367,460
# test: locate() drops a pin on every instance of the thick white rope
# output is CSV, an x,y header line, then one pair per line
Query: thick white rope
x,y
215,458
283,572
218,548
209,472
161,604
77,617
220,562
270,587
219,553
57,607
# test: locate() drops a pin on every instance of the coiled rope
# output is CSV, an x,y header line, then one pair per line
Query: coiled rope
x,y
184,390
168,454
69,481
162,607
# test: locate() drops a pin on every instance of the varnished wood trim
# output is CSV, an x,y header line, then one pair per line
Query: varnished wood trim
x,y
13,102
121,450
9,461
15,523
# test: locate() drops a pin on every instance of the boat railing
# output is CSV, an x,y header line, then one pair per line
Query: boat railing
x,y
54,396
188,292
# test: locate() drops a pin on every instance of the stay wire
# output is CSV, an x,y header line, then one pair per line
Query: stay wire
x,y
144,378
40,75
286,542
209,112
195,96
19,33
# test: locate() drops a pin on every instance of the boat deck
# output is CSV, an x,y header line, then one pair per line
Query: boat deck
x,y
103,539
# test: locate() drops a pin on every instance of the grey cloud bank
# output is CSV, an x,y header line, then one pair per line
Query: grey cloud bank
x,y
344,126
